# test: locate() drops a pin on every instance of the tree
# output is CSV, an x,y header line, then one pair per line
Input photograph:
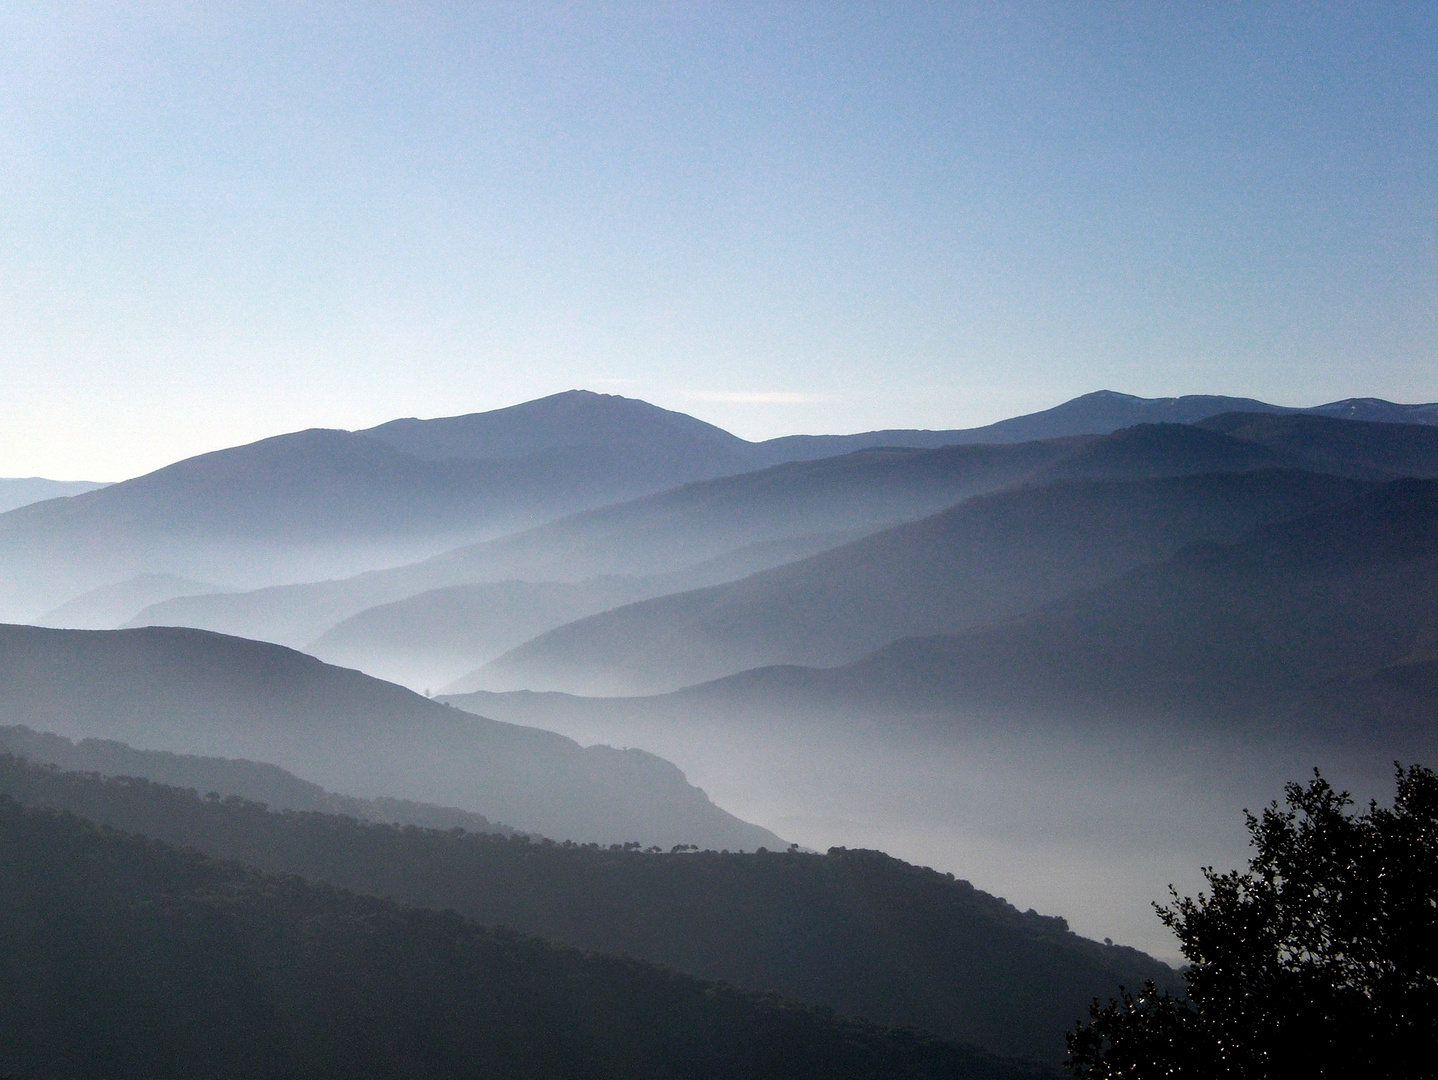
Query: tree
x,y
1320,961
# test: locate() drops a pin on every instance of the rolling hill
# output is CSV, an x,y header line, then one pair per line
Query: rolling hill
x,y
322,503
1381,451
1258,630
759,512
194,692
22,491
226,777
431,639
127,958
867,935
111,606
313,503
991,557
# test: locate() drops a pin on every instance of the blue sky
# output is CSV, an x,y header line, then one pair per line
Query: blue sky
x,y
218,222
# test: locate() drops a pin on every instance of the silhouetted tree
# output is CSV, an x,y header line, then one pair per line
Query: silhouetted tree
x,y
1321,960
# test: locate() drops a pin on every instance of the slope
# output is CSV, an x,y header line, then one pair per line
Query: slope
x,y
110,606
992,557
315,503
1355,447
657,534
225,777
1255,630
22,491
194,692
435,637
126,958
857,931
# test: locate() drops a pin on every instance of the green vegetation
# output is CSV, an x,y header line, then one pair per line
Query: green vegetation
x,y
121,957
856,931
1320,961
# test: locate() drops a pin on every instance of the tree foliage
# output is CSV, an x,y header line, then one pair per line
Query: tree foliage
x,y
1320,960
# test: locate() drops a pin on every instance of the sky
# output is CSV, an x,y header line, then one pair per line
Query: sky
x,y
220,222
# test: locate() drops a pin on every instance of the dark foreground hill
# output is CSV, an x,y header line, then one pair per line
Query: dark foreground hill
x,y
124,958
194,692
857,931
991,557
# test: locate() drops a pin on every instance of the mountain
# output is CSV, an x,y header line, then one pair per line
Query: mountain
x,y
574,420
127,958
1251,630
1382,451
194,692
759,512
1097,413
867,935
991,557
435,637
17,492
1088,753
1377,410
322,503
315,503
1105,411
111,606
226,777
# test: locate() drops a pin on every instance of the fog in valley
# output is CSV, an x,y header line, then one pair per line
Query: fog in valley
x,y
1059,668
676,541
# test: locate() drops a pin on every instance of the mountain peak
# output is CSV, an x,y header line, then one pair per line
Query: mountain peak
x,y
572,418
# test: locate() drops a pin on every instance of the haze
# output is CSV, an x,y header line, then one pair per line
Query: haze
x,y
756,537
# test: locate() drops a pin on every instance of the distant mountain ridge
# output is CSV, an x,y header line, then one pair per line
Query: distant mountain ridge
x,y
663,533
317,504
22,491
1270,628
991,557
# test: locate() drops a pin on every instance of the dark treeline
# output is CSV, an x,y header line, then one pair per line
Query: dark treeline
x,y
121,957
856,931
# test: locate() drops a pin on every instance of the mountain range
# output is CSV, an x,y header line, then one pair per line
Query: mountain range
x,y
748,520
1054,652
988,558
317,503
1263,627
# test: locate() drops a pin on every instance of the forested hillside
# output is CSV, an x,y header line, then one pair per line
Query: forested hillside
x,y
857,931
126,959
